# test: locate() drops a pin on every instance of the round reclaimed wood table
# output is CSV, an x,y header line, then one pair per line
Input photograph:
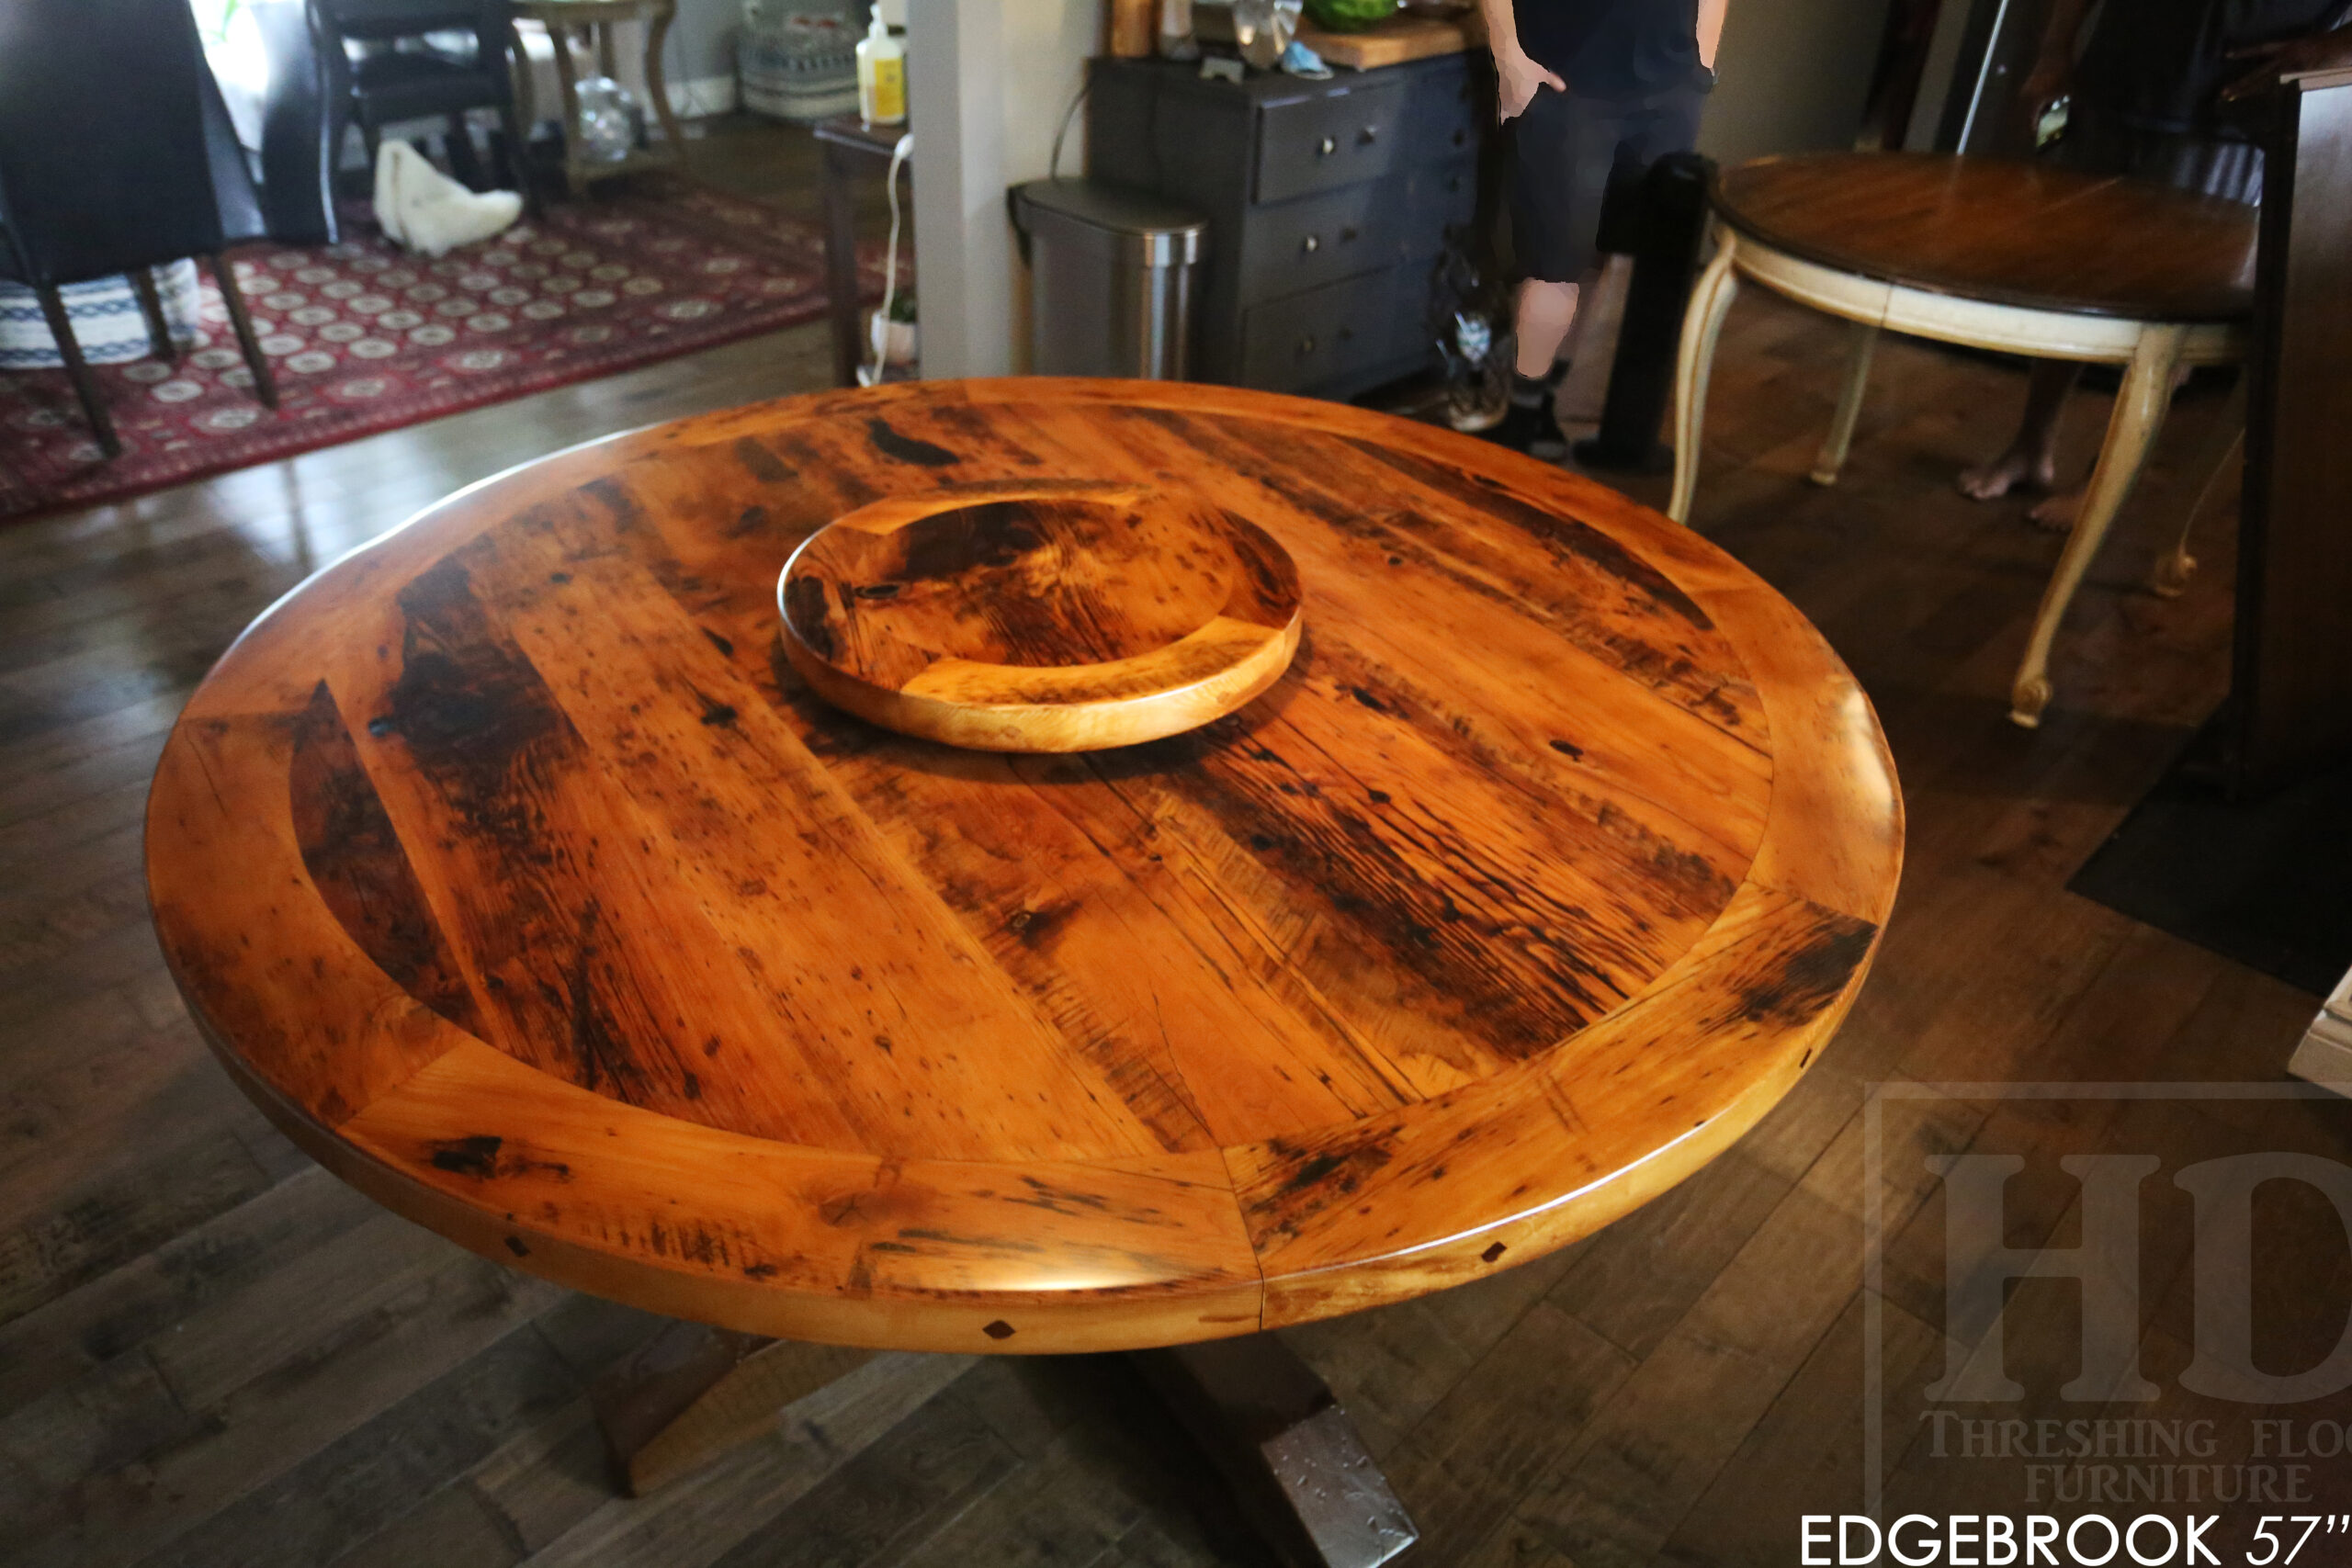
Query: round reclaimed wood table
x,y
510,866
2016,257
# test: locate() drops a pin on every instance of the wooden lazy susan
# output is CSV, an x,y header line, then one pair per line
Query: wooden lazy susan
x,y
1053,618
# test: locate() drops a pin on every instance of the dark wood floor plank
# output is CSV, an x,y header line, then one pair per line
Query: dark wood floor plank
x,y
357,1486
274,1424
890,1498
1498,1431
78,1331
94,1230
699,1516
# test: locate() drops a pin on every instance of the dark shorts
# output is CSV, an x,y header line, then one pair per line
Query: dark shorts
x,y
1575,156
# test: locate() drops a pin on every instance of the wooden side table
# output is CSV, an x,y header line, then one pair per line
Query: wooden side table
x,y
851,146
2019,258
594,20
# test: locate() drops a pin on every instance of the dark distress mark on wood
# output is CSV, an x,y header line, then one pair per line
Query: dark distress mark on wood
x,y
762,464
1580,539
715,713
515,1245
724,647
468,705
811,618
1569,749
1000,1329
476,1157
1517,967
1813,975
485,1155
907,449
361,868
603,1057
1492,1253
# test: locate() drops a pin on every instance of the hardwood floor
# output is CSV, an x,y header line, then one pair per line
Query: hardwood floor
x,y
212,1352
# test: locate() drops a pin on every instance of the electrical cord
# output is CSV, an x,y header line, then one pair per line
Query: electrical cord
x,y
1054,164
880,335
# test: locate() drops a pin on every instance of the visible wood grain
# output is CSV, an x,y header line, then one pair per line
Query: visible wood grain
x,y
1063,617
2028,234
692,1392
1397,39
1915,586
595,943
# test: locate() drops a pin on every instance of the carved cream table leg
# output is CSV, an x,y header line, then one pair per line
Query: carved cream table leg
x,y
1840,439
2139,414
1702,325
2219,459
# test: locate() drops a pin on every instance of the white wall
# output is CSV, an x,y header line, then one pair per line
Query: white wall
x,y
1794,75
999,74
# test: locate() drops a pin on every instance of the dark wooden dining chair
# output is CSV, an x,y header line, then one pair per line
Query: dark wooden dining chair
x,y
117,155
397,75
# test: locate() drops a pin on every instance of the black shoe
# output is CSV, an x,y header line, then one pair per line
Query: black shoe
x,y
1530,428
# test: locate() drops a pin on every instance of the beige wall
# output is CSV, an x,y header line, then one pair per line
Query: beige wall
x,y
1002,74
1794,76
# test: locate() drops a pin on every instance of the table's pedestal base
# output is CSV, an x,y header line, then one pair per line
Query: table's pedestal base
x,y
1299,1470
1286,1446
692,1392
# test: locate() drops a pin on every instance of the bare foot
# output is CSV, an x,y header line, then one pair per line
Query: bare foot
x,y
2057,514
2016,468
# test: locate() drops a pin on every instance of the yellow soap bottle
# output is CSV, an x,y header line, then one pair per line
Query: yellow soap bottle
x,y
881,75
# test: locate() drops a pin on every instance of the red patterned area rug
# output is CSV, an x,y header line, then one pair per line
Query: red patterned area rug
x,y
363,337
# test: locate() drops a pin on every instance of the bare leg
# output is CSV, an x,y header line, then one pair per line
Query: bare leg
x,y
2031,459
1547,311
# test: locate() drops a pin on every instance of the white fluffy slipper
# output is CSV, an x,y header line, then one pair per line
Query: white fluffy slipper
x,y
423,208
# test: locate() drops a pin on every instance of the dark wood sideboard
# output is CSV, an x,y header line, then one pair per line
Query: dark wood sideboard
x,y
2291,681
1328,202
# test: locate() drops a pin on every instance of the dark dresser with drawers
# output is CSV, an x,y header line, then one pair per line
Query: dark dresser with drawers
x,y
1328,202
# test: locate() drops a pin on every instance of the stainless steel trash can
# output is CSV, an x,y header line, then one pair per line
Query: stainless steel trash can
x,y
1111,279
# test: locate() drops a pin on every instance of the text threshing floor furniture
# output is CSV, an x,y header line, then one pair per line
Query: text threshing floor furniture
x,y
514,870
2016,257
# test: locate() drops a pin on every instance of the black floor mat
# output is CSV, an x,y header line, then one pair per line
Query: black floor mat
x,y
2267,882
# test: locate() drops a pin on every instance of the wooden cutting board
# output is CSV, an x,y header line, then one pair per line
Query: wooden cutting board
x,y
1065,616
1398,40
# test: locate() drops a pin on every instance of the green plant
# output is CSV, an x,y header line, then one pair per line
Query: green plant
x,y
1349,16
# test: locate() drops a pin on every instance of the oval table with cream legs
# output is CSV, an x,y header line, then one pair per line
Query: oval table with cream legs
x,y
2018,258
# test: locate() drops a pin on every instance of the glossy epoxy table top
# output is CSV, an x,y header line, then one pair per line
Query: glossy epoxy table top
x,y
513,870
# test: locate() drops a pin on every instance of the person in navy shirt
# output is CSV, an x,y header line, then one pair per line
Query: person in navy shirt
x,y
1600,90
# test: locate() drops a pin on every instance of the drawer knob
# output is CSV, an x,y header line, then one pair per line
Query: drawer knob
x,y
1326,147
1310,244
1349,232
1306,345
1368,135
